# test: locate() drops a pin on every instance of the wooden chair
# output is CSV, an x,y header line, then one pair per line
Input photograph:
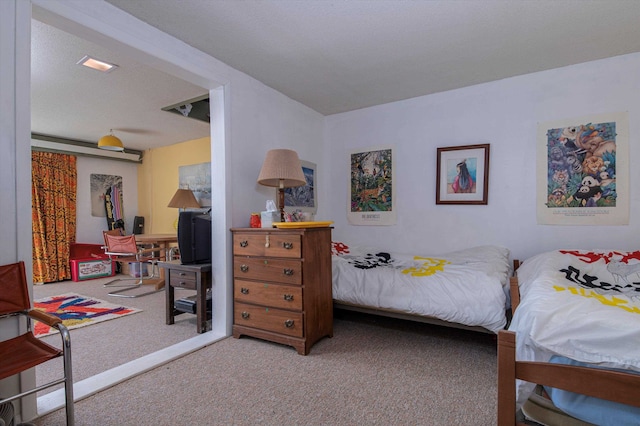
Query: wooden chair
x,y
598,383
124,248
25,351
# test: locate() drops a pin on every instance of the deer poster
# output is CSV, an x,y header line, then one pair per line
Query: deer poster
x,y
372,195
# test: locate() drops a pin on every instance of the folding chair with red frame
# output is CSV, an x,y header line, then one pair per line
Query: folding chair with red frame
x,y
124,248
25,351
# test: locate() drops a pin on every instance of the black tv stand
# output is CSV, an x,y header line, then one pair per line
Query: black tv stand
x,y
192,277
189,305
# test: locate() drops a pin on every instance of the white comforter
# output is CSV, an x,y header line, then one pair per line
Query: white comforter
x,y
584,305
465,287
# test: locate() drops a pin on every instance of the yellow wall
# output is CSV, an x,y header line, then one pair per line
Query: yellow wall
x,y
158,181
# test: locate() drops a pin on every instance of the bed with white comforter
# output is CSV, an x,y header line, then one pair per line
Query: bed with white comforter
x,y
580,304
467,287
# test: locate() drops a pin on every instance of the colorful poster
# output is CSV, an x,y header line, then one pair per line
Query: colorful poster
x,y
372,195
583,171
100,185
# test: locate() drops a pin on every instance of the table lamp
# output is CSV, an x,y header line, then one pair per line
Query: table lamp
x,y
281,169
183,199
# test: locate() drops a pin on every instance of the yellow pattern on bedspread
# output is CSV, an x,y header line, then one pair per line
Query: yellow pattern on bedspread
x,y
609,301
429,266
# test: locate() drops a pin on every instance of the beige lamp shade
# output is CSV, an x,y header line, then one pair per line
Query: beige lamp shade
x,y
110,143
183,199
281,169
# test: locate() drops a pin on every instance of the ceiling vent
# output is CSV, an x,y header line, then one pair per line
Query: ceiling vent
x,y
197,108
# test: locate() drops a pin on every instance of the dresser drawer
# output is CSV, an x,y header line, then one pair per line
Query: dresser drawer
x,y
267,244
275,295
270,319
267,269
182,279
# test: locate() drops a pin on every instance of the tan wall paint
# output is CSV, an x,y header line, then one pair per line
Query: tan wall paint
x,y
158,181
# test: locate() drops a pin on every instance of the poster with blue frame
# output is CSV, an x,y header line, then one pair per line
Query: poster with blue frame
x,y
303,197
583,171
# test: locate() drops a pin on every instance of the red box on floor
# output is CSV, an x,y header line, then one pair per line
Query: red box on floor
x,y
88,261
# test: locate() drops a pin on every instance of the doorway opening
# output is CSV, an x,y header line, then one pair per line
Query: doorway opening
x,y
81,24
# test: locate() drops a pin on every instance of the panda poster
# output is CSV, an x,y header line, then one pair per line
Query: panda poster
x,y
583,171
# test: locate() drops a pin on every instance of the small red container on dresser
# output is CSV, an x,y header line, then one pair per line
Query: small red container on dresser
x,y
88,261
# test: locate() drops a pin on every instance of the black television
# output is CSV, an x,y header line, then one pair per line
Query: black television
x,y
194,237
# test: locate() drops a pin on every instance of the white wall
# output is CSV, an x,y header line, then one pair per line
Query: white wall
x,y
264,119
89,228
505,114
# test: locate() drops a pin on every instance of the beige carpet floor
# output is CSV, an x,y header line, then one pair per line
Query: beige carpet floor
x,y
374,371
102,346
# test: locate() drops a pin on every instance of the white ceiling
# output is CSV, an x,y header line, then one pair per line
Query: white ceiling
x,y
75,102
333,56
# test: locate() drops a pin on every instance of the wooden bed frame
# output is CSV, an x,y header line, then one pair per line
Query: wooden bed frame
x,y
405,316
604,384
514,289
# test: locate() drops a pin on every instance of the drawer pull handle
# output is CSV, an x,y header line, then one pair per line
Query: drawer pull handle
x,y
182,274
287,245
181,283
267,241
288,297
289,323
244,290
244,268
245,315
288,271
244,243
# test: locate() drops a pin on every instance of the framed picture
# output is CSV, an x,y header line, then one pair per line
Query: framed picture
x,y
303,198
197,178
372,195
462,174
583,171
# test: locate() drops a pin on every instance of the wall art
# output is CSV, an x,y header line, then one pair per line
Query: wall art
x,y
583,171
462,174
372,195
304,197
197,178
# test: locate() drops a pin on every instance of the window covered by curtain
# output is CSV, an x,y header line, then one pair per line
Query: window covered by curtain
x,y
54,182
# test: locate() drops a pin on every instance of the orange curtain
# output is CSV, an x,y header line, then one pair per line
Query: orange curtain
x,y
53,187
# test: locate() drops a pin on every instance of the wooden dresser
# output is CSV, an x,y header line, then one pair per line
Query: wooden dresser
x,y
282,285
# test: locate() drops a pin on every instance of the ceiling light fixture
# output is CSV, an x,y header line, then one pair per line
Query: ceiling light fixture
x,y
96,64
110,143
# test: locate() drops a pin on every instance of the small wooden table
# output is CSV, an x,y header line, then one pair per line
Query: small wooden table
x,y
163,241
193,277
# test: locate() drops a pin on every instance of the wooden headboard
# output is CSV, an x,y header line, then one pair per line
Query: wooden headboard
x,y
514,289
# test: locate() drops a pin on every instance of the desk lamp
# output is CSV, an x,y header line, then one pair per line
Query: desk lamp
x,y
281,169
183,199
